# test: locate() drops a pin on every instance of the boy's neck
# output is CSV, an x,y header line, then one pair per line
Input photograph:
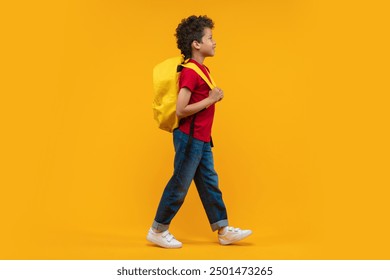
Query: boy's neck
x,y
198,58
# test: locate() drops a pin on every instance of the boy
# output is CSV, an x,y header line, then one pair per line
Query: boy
x,y
195,109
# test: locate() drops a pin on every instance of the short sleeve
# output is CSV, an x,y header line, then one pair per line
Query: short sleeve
x,y
188,78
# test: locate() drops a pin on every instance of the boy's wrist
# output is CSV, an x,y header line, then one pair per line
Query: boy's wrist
x,y
211,101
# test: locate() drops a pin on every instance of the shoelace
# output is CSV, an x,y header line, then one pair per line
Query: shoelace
x,y
168,236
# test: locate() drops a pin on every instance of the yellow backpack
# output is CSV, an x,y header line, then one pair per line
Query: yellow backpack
x,y
166,88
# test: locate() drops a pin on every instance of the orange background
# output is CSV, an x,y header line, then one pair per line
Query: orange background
x,y
301,137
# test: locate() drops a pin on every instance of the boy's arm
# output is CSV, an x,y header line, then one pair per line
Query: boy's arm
x,y
183,109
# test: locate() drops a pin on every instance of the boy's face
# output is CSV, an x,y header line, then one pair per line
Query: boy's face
x,y
207,45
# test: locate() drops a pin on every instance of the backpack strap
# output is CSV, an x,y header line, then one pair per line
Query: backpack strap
x,y
196,68
191,136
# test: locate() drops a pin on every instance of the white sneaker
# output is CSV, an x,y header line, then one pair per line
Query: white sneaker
x,y
233,235
164,239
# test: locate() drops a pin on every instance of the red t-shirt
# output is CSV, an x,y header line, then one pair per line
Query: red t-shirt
x,y
199,91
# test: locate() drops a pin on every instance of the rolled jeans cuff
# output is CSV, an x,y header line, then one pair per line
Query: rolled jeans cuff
x,y
159,227
219,224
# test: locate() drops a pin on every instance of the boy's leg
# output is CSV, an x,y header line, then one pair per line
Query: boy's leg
x,y
177,187
206,180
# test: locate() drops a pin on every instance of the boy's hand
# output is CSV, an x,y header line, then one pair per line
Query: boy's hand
x,y
216,94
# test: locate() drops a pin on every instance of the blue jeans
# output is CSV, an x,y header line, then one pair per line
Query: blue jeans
x,y
197,165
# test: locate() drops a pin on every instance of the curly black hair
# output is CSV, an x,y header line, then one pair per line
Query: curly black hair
x,y
191,29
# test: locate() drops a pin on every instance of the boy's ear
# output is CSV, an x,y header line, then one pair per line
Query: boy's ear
x,y
196,45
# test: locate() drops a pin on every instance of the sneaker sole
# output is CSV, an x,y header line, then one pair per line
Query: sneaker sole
x,y
224,242
157,242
